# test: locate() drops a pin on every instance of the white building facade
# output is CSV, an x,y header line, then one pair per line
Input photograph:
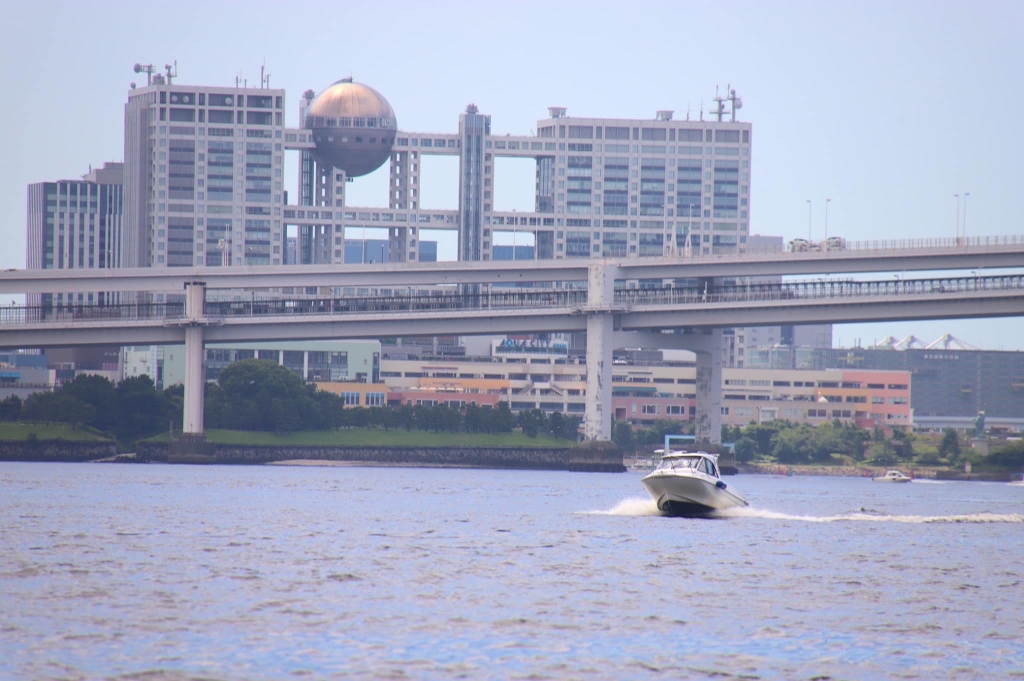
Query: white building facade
x,y
75,224
203,176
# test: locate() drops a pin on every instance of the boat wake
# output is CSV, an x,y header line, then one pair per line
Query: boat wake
x,y
873,517
634,506
637,507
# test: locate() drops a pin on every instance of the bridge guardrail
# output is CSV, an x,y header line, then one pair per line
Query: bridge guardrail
x,y
567,301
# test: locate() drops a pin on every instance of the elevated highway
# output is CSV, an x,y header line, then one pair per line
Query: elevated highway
x,y
600,307
859,257
668,308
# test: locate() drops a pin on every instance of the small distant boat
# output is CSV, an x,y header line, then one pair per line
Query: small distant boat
x,y
893,476
1018,480
690,485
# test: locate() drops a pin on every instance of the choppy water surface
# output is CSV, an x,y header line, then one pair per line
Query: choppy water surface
x,y
173,572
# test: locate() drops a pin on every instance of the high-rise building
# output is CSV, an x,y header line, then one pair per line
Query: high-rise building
x,y
604,187
75,224
203,175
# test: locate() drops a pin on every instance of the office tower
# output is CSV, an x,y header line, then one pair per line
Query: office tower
x,y
75,224
203,175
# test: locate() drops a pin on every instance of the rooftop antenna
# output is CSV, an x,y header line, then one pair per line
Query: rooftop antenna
x,y
148,69
172,72
702,110
264,77
736,103
687,111
719,105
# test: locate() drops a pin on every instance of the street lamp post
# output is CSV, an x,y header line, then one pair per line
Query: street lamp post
x,y
966,194
827,201
957,197
808,220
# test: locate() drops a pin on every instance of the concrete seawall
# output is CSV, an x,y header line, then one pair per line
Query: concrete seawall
x,y
56,450
540,458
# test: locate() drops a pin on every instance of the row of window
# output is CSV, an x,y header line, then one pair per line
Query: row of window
x,y
222,99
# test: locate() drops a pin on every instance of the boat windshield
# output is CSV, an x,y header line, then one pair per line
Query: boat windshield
x,y
697,463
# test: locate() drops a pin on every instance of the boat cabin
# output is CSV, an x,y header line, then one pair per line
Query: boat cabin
x,y
701,462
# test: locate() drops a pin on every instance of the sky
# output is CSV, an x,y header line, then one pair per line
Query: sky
x,y
886,108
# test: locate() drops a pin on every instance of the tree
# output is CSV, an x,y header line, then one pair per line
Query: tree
x,y
56,407
99,392
949,448
10,408
791,446
731,433
762,434
556,424
903,444
1010,455
141,410
882,453
532,421
622,434
406,416
746,449
503,419
250,388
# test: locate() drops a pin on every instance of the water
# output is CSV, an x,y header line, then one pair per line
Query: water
x,y
175,572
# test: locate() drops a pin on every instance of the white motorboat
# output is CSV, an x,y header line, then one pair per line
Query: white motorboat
x,y
690,484
893,476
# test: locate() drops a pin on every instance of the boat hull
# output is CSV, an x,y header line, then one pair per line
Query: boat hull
x,y
682,494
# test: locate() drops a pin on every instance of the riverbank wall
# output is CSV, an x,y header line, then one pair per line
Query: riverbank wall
x,y
56,450
539,458
832,471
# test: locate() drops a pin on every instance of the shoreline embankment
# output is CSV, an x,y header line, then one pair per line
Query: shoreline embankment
x,y
539,458
536,458
923,472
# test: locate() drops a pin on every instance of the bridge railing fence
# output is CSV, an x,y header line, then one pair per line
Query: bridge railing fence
x,y
506,300
871,245
820,289
77,313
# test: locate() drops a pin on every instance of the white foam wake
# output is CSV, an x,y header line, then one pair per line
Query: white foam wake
x,y
873,517
645,506
634,506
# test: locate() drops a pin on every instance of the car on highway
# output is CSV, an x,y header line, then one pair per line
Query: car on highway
x,y
800,246
834,243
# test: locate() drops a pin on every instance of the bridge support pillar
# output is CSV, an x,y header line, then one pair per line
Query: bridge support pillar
x,y
192,446
194,381
600,323
709,387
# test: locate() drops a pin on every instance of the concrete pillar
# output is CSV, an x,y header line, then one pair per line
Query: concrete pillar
x,y
600,327
709,387
195,379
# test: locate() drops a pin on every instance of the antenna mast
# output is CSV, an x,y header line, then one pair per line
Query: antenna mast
x,y
148,69
719,105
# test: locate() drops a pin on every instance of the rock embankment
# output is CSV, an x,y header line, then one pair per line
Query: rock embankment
x,y
834,471
55,450
540,458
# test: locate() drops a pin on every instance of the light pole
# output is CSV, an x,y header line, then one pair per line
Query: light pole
x,y
827,201
808,220
966,194
957,197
